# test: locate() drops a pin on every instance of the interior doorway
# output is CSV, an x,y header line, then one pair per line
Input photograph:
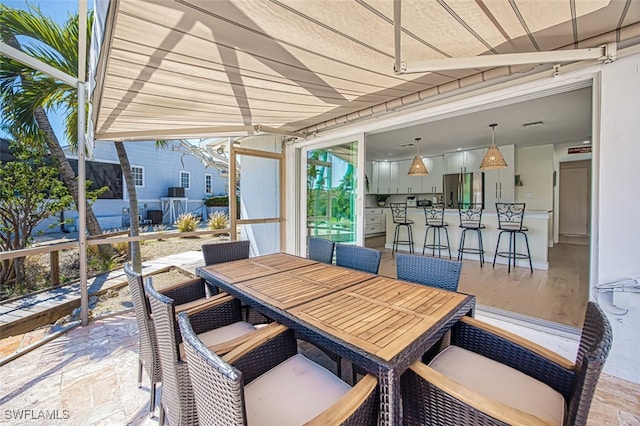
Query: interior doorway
x,y
575,202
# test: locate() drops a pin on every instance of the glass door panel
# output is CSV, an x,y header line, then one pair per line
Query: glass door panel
x,y
332,192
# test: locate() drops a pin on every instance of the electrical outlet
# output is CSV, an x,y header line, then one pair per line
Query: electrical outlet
x,y
528,195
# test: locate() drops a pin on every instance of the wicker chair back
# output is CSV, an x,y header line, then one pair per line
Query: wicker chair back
x,y
321,249
359,258
593,350
177,396
148,348
225,252
217,386
431,271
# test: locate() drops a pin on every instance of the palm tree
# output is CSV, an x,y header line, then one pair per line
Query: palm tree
x,y
26,95
134,230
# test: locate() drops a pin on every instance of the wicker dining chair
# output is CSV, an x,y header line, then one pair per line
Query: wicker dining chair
x,y
218,323
225,252
490,376
266,382
429,270
356,257
321,249
148,358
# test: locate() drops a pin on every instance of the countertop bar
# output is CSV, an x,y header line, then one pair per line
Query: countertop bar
x,y
536,220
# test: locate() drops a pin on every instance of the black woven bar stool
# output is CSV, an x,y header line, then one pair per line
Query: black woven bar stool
x,y
399,214
471,220
434,219
510,218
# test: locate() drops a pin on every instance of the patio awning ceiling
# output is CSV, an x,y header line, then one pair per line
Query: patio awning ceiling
x,y
194,68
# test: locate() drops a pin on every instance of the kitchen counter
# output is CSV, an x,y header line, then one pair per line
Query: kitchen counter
x,y
536,221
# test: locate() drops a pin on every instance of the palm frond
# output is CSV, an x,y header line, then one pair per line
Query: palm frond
x,y
22,89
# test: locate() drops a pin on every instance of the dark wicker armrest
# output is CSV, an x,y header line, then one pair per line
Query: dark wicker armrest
x,y
218,311
516,352
358,407
186,291
453,403
272,345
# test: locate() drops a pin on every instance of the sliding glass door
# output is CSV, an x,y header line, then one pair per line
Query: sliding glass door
x,y
332,192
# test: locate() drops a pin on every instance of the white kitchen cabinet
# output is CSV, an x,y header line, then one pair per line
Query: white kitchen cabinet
x,y
401,182
382,177
374,221
432,183
464,161
454,162
473,159
499,185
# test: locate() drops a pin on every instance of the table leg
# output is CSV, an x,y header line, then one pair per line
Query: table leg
x,y
389,398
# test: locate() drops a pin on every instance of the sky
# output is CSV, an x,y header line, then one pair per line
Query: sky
x,y
59,11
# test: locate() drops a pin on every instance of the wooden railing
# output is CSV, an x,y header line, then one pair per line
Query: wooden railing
x,y
113,238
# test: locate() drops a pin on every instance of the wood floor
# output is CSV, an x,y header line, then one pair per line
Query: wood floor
x,y
558,295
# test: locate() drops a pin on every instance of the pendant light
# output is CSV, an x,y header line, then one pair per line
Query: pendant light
x,y
493,159
417,167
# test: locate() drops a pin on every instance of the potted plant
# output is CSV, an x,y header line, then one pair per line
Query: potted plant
x,y
382,199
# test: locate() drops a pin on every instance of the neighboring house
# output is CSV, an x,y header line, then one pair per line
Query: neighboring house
x,y
155,170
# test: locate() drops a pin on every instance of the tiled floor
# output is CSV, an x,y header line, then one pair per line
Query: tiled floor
x,y
88,377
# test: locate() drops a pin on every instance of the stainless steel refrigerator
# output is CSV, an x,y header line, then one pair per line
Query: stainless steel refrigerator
x,y
463,188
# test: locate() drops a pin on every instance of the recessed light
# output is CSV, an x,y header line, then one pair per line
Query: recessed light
x,y
459,149
586,142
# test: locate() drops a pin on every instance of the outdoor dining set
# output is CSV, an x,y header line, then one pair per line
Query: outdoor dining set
x,y
225,346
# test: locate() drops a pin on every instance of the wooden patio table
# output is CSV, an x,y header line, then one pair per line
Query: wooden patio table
x,y
381,324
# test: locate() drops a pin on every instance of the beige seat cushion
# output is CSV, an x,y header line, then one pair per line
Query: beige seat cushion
x,y
189,305
501,383
292,393
222,334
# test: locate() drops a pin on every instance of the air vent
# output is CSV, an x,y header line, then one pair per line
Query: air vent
x,y
533,123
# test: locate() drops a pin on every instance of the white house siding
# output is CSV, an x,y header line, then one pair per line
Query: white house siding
x,y
616,197
618,202
161,170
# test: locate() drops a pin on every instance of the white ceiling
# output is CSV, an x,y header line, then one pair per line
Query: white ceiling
x,y
566,117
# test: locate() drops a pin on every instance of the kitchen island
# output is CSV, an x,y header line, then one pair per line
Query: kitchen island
x,y
538,234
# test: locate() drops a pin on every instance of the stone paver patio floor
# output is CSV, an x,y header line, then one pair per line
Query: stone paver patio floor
x,y
88,376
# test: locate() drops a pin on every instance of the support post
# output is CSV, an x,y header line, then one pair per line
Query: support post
x,y
397,32
82,195
54,266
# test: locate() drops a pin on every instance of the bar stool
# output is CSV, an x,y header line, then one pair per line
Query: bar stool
x,y
510,218
434,219
399,214
471,220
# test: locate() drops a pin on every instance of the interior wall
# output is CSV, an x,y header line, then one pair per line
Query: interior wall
x,y
534,164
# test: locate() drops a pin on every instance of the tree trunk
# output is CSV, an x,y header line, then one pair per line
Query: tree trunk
x,y
134,230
